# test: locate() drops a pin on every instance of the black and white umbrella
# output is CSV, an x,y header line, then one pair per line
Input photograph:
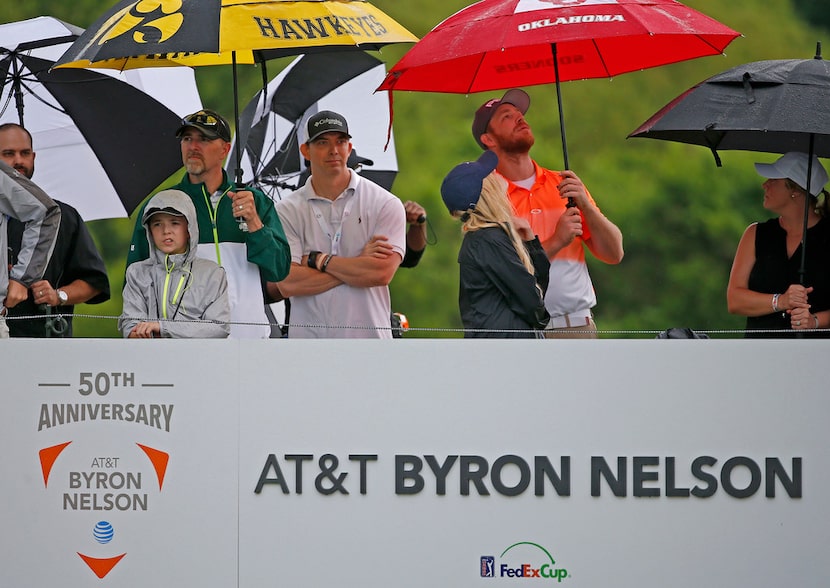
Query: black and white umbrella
x,y
272,128
104,140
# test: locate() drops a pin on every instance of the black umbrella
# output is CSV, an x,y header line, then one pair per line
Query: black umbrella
x,y
271,128
103,144
773,106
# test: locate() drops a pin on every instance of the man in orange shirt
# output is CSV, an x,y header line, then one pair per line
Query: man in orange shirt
x,y
540,196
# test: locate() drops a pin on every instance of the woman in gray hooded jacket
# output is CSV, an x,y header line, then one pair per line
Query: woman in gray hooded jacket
x,y
174,293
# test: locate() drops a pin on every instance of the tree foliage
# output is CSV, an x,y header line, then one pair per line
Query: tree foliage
x,y
681,215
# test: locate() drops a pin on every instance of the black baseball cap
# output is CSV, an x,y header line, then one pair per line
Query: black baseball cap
x,y
210,123
326,121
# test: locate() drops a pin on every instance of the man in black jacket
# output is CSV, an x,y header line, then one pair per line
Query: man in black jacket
x,y
76,272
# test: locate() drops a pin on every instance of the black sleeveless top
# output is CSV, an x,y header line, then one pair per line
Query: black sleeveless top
x,y
773,272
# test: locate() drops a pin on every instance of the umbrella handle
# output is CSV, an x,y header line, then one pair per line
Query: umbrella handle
x,y
243,225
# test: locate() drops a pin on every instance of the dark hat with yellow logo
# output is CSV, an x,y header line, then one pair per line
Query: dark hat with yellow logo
x,y
209,123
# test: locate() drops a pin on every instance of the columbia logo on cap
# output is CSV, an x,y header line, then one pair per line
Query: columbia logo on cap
x,y
328,122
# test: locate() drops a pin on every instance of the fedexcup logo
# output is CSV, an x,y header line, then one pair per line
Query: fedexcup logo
x,y
526,560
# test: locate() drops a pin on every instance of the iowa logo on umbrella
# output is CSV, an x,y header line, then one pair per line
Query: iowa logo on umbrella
x,y
156,25
162,28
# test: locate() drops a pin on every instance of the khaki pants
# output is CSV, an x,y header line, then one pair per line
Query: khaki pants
x,y
587,331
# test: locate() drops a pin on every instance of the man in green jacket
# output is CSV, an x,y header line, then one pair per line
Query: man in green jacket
x,y
250,254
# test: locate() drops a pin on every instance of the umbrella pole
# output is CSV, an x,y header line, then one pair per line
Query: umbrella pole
x,y
243,226
18,93
559,101
238,149
264,71
571,201
802,270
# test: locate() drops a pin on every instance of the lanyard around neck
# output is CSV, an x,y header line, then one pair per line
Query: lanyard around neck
x,y
334,236
177,294
212,215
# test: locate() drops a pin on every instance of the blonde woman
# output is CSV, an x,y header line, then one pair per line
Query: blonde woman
x,y
503,268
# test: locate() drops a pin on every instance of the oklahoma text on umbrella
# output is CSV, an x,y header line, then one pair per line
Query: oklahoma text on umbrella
x,y
500,44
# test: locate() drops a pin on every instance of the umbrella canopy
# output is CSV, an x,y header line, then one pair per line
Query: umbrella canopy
x,y
215,32
499,44
774,106
272,128
103,139
771,106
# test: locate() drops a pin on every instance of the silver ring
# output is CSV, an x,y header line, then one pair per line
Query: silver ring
x,y
239,207
41,293
797,323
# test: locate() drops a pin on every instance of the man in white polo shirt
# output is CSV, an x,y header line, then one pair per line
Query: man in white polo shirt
x,y
347,238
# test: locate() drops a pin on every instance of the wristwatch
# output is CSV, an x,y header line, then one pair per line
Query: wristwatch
x,y
62,297
312,259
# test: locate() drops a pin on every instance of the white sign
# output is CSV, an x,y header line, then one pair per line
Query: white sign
x,y
413,463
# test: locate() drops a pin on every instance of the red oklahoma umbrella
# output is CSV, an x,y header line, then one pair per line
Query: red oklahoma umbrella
x,y
500,44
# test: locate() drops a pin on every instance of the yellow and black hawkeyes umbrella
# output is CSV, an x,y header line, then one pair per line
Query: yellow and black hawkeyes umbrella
x,y
153,33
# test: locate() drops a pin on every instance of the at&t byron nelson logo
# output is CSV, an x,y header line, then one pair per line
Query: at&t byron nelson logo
x,y
96,472
524,560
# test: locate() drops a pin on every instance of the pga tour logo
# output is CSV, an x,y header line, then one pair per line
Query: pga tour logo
x,y
488,563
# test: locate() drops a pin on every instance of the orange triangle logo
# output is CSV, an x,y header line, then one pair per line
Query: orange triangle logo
x,y
159,460
101,566
48,456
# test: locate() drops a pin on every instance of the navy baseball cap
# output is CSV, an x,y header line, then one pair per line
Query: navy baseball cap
x,y
461,188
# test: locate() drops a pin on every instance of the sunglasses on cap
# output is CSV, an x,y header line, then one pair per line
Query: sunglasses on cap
x,y
208,121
